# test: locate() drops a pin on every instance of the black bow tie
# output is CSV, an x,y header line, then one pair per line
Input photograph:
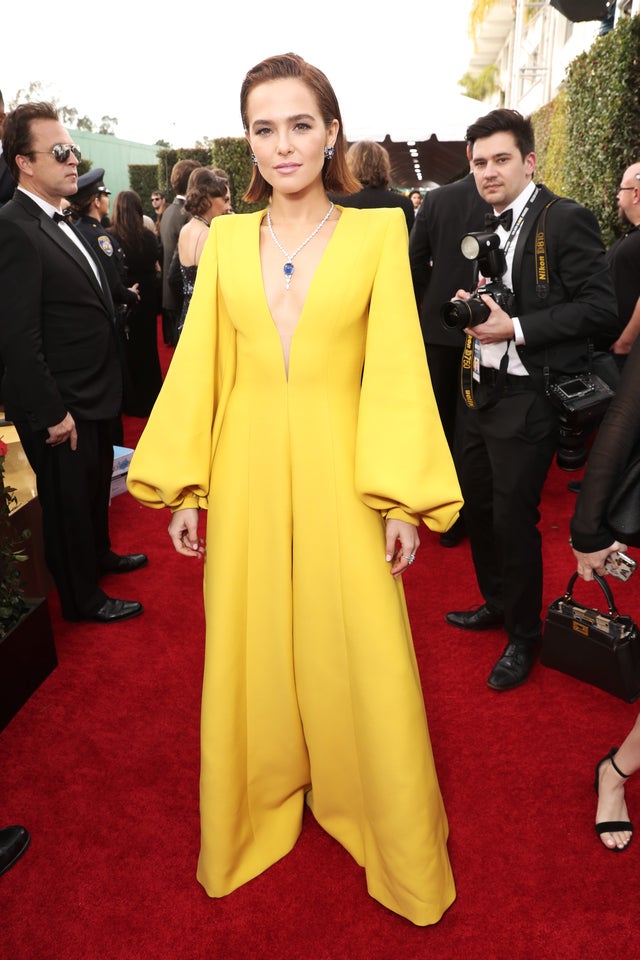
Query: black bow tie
x,y
62,217
504,219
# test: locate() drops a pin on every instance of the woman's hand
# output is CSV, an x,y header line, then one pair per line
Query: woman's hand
x,y
183,531
401,546
588,563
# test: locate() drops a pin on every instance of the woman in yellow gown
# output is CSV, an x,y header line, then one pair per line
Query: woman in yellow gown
x,y
298,412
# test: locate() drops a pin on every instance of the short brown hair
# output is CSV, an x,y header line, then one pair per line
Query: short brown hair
x,y
369,163
16,133
335,173
503,120
180,173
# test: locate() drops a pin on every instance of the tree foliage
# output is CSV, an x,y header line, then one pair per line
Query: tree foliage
x,y
68,115
482,86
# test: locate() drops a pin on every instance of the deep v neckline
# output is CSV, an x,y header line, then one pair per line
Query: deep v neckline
x,y
286,358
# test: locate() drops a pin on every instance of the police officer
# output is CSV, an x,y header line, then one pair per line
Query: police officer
x,y
89,209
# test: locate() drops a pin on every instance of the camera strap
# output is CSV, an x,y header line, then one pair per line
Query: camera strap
x,y
468,353
542,271
466,377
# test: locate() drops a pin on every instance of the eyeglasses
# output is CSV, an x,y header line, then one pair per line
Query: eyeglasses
x,y
62,151
636,177
153,199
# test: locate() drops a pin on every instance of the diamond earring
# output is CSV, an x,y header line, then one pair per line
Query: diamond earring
x,y
254,160
329,152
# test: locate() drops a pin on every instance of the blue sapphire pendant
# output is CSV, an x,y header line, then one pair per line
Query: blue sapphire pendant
x,y
288,272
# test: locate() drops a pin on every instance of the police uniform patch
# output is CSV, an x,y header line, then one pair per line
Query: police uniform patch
x,y
105,245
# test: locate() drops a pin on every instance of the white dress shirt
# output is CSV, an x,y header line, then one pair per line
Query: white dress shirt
x,y
491,353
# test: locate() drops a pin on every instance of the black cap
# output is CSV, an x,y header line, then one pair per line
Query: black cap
x,y
88,184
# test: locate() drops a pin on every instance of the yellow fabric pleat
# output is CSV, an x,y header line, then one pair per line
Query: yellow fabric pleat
x,y
311,688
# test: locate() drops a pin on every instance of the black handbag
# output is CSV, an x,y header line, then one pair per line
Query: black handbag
x,y
602,649
623,511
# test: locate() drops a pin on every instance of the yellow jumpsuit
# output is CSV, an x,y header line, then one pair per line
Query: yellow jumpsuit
x,y
311,690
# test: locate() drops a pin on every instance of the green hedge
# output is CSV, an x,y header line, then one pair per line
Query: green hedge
x,y
143,178
603,120
591,132
231,154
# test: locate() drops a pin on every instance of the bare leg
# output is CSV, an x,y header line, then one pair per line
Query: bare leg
x,y
611,798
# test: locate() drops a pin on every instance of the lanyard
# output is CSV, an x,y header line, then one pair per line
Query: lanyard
x,y
466,367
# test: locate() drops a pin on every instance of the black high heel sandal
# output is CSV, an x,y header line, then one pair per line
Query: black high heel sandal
x,y
612,826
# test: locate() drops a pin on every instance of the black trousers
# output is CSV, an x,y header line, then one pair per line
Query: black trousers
x,y
73,489
444,369
507,451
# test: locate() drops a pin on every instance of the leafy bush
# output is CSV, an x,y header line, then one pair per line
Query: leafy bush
x,y
143,178
603,120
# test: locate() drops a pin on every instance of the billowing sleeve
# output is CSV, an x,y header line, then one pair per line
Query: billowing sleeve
x,y
403,463
171,465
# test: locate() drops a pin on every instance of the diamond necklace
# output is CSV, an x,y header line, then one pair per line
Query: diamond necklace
x,y
288,267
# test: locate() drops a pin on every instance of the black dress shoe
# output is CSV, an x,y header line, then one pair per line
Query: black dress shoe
x,y
112,611
574,486
125,564
513,667
13,843
483,618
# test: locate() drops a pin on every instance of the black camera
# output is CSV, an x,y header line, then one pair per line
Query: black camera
x,y
485,248
581,402
469,313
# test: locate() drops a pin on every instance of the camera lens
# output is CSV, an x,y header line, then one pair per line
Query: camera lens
x,y
455,314
571,453
458,314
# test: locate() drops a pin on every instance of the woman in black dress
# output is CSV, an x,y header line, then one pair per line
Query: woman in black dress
x,y
141,252
614,447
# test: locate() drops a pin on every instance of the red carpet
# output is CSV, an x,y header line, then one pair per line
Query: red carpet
x,y
101,765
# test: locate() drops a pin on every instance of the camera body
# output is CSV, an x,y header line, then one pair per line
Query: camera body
x,y
485,249
581,402
458,314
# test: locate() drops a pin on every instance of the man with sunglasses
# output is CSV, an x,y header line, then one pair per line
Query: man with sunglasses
x,y
62,384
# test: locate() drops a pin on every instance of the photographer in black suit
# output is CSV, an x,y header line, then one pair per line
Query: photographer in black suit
x,y
62,383
562,297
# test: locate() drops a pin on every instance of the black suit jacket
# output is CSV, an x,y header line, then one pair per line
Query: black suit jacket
x,y
580,304
173,220
438,267
57,335
7,183
370,198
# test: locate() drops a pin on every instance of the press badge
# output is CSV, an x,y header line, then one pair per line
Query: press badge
x,y
476,359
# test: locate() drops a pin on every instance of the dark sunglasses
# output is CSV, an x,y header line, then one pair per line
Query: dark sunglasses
x,y
62,151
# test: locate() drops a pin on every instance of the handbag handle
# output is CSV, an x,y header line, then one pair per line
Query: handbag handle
x,y
604,586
